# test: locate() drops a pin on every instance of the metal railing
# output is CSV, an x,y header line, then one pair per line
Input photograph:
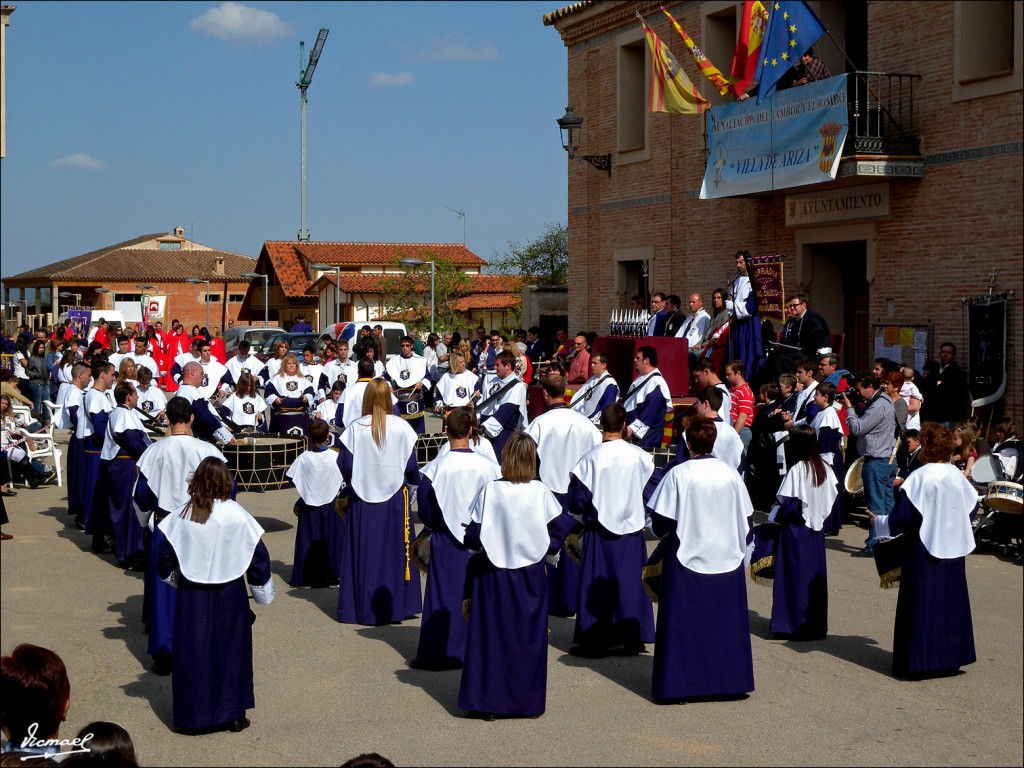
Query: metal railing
x,y
882,114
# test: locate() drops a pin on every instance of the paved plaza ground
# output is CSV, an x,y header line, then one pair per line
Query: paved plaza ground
x,y
326,692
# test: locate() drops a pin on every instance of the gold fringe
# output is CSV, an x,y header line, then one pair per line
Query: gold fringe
x,y
890,579
760,565
405,496
465,608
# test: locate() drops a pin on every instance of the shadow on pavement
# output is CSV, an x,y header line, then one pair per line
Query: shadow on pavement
x,y
273,525
442,687
631,672
131,631
856,649
324,598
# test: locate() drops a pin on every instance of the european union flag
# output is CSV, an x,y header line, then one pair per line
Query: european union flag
x,y
792,28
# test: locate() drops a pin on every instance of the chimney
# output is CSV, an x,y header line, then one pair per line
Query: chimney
x,y
179,232
218,266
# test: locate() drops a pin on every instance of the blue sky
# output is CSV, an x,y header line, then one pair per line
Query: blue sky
x,y
132,118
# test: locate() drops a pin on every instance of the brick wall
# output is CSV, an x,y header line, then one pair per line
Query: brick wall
x,y
943,237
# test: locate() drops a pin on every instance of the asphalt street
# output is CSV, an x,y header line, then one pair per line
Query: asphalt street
x,y
326,692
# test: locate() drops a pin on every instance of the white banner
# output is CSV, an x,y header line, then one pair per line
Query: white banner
x,y
793,138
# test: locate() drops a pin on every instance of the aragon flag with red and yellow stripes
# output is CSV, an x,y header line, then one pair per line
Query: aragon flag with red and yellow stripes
x,y
671,89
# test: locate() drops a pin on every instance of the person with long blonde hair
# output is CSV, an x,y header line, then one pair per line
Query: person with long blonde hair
x,y
212,548
515,524
377,458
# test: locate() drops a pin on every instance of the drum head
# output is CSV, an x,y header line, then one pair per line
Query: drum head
x,y
986,469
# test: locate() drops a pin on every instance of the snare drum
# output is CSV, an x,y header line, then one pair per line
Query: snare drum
x,y
410,403
650,574
1004,496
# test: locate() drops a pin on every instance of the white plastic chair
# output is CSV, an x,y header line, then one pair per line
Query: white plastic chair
x,y
46,448
22,414
54,411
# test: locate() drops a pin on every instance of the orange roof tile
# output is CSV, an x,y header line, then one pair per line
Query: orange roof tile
x,y
291,259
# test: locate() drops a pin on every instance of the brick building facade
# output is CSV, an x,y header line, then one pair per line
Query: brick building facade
x,y
940,221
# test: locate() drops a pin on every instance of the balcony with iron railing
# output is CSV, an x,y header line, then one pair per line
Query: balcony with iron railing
x,y
882,115
884,140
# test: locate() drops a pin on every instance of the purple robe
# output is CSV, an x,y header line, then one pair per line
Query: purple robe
x,y
319,536
800,590
213,635
702,642
378,583
443,630
934,633
613,607
506,662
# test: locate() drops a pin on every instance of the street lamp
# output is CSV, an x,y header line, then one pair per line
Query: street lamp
x,y
568,126
68,295
337,287
412,261
196,281
266,290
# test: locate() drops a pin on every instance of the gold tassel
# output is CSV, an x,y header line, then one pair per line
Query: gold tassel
x,y
405,495
465,608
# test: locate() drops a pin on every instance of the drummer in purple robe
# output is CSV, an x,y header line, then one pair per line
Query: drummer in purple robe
x,y
319,532
516,524
934,633
408,374
448,485
745,327
162,486
290,398
829,431
807,497
607,492
123,444
377,459
97,403
72,415
212,549
503,409
563,437
702,644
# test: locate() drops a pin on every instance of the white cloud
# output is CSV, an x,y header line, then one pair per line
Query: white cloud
x,y
240,23
453,48
391,79
79,162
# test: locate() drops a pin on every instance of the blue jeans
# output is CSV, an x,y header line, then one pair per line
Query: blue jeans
x,y
877,476
40,392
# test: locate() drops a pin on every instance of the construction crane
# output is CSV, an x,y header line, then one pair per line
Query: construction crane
x,y
307,68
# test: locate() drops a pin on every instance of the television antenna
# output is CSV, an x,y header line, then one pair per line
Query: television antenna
x,y
461,212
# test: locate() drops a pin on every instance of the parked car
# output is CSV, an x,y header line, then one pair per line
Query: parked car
x,y
393,333
254,334
296,343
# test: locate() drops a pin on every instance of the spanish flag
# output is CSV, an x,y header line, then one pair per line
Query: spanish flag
x,y
748,47
709,70
671,89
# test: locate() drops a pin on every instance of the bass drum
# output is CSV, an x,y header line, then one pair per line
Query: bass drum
x,y
854,480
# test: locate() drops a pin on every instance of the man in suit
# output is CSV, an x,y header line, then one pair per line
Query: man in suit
x,y
803,335
675,316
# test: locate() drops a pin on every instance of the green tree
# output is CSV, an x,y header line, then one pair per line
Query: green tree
x,y
408,294
544,261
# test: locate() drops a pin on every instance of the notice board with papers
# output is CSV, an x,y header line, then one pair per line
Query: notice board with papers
x,y
906,343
